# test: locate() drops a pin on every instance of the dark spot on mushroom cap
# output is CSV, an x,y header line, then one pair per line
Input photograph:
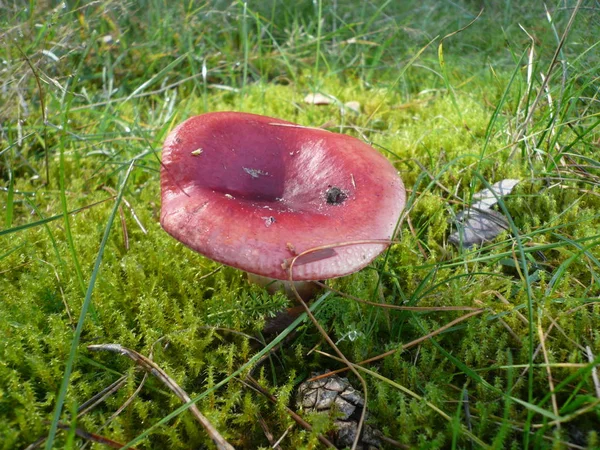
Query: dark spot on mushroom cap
x,y
335,196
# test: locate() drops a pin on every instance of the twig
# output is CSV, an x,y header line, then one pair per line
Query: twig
x,y
151,367
548,370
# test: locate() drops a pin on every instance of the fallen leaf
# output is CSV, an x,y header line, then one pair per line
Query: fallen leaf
x,y
354,106
479,223
318,99
476,227
489,197
353,40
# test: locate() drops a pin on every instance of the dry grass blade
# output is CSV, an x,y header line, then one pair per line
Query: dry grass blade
x,y
554,324
268,434
591,358
42,97
93,437
417,240
151,367
323,252
210,274
548,370
553,63
86,407
124,228
101,396
400,308
52,218
405,346
293,125
503,299
319,99
276,444
289,266
62,293
591,407
121,408
131,210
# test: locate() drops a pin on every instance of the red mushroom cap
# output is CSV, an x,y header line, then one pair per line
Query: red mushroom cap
x,y
252,192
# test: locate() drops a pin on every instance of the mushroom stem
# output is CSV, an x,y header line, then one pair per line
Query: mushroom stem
x,y
306,289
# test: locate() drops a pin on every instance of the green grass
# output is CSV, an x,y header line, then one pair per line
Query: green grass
x,y
89,91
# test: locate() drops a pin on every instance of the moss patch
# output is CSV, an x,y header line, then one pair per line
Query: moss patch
x,y
445,132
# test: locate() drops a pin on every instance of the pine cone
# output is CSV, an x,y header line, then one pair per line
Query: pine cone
x,y
336,394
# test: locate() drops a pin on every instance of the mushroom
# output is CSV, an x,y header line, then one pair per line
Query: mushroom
x,y
254,192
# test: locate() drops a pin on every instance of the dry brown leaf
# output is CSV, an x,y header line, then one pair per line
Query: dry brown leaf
x,y
318,99
353,105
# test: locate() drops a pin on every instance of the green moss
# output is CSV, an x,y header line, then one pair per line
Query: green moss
x,y
195,318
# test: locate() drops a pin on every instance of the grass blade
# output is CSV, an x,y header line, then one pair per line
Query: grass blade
x,y
247,365
84,309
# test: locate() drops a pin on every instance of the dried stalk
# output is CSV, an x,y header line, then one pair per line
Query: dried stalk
x,y
152,368
404,347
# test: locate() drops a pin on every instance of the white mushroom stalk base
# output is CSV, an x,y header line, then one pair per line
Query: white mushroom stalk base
x,y
306,289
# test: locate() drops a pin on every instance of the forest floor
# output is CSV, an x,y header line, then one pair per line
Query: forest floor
x,y
505,353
